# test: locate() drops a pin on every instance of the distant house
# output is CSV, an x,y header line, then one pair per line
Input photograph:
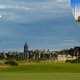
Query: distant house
x,y
61,58
69,57
64,57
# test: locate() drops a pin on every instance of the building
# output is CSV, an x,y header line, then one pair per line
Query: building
x,y
25,48
26,51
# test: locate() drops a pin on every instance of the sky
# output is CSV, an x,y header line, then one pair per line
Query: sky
x,y
75,2
43,24
76,8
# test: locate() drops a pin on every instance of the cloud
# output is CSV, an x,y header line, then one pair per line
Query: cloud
x,y
14,7
31,10
67,44
74,42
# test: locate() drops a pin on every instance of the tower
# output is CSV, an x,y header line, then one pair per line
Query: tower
x,y
26,51
26,48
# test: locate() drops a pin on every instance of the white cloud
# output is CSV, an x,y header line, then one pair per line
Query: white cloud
x,y
14,7
67,44
0,16
31,11
71,41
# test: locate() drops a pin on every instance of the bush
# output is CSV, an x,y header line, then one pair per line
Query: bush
x,y
68,61
76,61
12,63
73,61
1,62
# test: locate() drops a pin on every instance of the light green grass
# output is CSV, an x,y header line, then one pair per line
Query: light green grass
x,y
42,72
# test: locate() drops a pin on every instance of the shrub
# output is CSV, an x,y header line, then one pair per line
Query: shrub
x,y
68,61
12,63
73,61
76,61
1,62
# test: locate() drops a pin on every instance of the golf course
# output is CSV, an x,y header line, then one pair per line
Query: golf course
x,y
41,72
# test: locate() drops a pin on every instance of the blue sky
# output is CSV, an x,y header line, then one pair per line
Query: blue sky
x,y
75,3
42,23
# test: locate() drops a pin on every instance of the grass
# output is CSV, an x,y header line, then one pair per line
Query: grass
x,y
40,76
45,68
41,72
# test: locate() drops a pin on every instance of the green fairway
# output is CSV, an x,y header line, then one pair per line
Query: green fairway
x,y
40,76
41,72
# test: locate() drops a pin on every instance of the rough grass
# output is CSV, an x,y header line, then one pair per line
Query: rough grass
x,y
48,68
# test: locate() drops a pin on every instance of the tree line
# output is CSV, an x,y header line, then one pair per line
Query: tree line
x,y
38,55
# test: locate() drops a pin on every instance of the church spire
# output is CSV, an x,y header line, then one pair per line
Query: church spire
x,y
25,47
